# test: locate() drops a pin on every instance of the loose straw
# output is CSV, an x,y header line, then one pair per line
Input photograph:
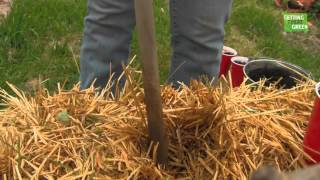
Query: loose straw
x,y
214,133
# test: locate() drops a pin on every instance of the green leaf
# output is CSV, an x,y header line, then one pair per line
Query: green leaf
x,y
63,116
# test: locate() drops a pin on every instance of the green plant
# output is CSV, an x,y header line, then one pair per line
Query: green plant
x,y
315,9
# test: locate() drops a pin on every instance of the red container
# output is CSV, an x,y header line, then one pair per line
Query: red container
x,y
237,74
227,54
312,137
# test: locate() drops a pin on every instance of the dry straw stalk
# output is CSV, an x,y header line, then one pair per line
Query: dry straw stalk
x,y
215,133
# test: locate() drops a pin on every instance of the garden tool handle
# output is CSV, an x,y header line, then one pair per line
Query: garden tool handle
x,y
151,80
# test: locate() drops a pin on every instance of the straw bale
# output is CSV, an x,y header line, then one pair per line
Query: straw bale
x,y
214,133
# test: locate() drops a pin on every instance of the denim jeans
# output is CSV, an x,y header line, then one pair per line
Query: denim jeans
x,y
197,28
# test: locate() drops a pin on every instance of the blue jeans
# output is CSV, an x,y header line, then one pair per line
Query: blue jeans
x,y
197,28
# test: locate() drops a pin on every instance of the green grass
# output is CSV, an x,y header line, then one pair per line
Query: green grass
x,y
43,38
37,38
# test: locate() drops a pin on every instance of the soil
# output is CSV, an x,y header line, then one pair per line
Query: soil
x,y
240,62
283,78
228,53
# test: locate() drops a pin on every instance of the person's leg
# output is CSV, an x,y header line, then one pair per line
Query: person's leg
x,y
106,40
197,38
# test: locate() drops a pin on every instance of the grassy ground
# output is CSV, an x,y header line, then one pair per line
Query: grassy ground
x,y
43,38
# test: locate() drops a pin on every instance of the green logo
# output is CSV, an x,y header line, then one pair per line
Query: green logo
x,y
296,22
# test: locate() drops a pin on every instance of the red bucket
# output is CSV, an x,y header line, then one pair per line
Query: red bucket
x,y
237,74
312,137
227,54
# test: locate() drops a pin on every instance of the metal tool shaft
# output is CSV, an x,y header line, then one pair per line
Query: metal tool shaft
x,y
151,80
